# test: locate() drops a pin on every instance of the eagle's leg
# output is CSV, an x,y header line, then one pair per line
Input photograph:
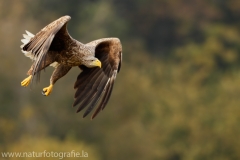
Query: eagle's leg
x,y
58,73
26,81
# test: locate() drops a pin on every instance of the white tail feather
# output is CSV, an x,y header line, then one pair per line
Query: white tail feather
x,y
30,34
27,37
24,41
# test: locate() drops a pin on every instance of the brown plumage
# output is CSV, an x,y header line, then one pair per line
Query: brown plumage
x,y
99,60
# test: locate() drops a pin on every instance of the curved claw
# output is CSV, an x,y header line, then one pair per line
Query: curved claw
x,y
47,90
26,81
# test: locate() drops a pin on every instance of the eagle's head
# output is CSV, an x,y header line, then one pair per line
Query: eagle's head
x,y
91,62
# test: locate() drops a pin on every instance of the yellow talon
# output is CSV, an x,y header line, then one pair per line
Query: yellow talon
x,y
46,91
26,81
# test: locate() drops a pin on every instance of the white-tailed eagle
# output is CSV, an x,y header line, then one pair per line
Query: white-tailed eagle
x,y
99,60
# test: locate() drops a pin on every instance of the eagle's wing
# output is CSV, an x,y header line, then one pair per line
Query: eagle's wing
x,y
96,83
54,36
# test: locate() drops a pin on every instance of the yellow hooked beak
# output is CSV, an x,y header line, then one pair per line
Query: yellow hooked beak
x,y
97,63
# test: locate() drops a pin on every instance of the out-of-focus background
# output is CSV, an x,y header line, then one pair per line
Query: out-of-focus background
x,y
177,96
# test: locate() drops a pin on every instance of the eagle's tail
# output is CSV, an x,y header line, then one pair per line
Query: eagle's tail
x,y
27,37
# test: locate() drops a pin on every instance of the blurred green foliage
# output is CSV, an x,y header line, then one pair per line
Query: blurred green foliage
x,y
176,97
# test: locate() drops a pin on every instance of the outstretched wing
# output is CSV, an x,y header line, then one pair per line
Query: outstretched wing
x,y
54,36
94,84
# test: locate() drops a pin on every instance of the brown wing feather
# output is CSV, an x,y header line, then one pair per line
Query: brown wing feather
x,y
52,37
95,84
